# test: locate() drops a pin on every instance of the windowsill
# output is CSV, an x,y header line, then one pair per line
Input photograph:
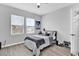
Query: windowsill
x,y
30,33
17,34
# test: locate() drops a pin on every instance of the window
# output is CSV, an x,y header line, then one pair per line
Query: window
x,y
17,24
30,25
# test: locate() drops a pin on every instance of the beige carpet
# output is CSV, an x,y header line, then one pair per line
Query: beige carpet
x,y
21,50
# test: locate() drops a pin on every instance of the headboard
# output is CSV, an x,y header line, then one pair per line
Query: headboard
x,y
52,32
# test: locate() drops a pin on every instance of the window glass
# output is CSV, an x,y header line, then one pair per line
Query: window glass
x,y
17,24
30,25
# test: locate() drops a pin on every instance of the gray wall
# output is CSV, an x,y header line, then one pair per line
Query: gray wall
x,y
60,21
5,24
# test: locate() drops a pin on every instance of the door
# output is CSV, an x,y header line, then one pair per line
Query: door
x,y
75,32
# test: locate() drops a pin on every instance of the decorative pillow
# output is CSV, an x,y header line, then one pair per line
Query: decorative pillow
x,y
40,32
47,34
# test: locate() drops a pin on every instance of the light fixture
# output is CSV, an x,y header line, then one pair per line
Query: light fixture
x,y
38,5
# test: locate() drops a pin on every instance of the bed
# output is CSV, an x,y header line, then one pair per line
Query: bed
x,y
38,42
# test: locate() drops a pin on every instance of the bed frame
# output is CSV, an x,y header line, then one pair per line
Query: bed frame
x,y
36,51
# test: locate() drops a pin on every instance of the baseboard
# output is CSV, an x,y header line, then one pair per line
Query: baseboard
x,y
12,44
72,54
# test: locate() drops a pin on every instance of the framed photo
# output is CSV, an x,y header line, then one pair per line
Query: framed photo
x,y
37,24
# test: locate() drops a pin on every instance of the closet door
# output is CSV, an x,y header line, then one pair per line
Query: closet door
x,y
75,32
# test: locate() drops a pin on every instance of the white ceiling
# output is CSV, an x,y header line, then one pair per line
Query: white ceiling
x,y
44,7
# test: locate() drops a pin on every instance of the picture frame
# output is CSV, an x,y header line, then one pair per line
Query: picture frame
x,y
37,24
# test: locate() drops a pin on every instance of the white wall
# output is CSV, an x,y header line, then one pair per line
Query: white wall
x,y
5,24
60,21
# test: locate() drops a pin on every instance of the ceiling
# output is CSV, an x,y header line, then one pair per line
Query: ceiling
x,y
44,7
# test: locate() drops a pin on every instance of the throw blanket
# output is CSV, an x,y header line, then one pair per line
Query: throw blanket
x,y
38,41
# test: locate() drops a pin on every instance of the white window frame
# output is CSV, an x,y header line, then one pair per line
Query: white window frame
x,y
11,25
31,26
